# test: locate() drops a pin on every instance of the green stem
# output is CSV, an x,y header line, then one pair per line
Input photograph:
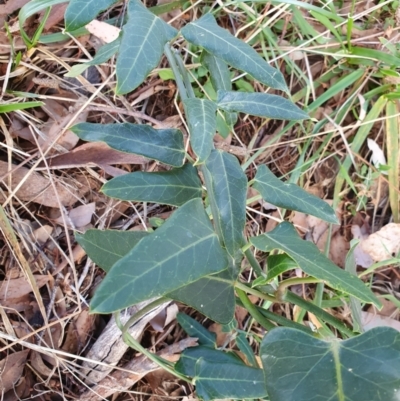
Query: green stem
x,y
130,341
254,263
283,285
148,308
185,76
252,291
255,314
320,313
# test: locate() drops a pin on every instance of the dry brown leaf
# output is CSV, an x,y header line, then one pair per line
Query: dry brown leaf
x,y
384,244
42,234
78,332
80,216
165,317
39,189
11,368
103,31
18,287
370,320
56,15
11,6
39,365
362,258
92,154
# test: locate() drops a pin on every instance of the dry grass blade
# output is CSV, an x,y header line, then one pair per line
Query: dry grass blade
x,y
393,156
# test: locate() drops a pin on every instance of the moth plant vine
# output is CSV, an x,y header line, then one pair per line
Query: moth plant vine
x,y
196,256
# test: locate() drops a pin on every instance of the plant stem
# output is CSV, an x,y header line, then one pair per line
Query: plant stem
x,y
283,285
320,313
252,291
255,314
254,263
148,308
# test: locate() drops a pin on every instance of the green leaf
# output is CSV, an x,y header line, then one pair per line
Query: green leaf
x,y
313,262
105,248
142,44
213,296
174,187
187,362
290,196
102,56
245,348
202,120
260,104
219,71
194,329
164,145
6,108
277,264
230,191
299,367
206,33
80,12
184,249
228,380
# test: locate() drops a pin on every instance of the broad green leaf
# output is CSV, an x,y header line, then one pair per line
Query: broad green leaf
x,y
174,187
299,367
206,33
230,191
313,262
219,71
277,264
260,104
213,296
102,56
187,362
106,247
245,348
165,145
184,249
202,120
80,12
291,196
142,45
228,380
194,329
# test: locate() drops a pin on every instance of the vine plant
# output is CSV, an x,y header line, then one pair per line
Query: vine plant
x,y
195,256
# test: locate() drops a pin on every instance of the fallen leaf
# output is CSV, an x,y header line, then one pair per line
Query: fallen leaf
x,y
362,258
56,15
103,31
18,287
384,244
370,320
80,216
11,6
378,157
11,368
42,234
78,331
92,154
36,188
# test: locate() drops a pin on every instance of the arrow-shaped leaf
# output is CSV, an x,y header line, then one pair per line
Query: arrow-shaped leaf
x,y
194,329
260,104
80,12
228,380
187,362
230,190
106,247
291,196
202,120
206,33
213,296
165,145
142,45
184,249
299,367
174,187
313,262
